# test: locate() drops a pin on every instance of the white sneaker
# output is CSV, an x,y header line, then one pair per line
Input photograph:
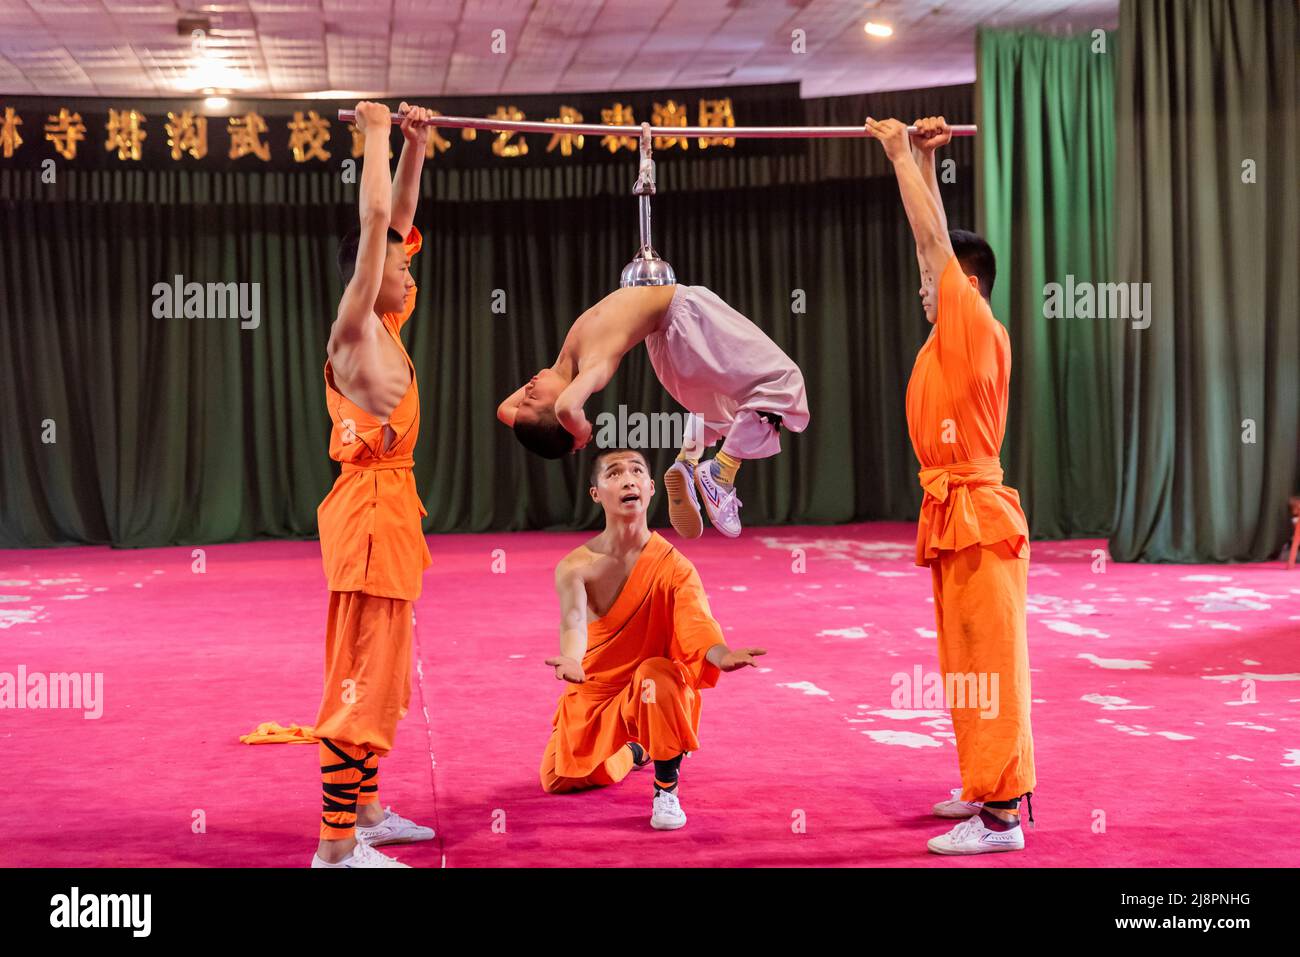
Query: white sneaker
x,y
955,807
720,501
972,837
668,814
363,855
683,506
393,829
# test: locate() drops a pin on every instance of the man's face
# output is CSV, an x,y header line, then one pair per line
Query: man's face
x,y
623,486
397,283
540,394
929,301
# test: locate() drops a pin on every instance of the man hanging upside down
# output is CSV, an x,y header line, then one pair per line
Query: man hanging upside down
x,y
737,382
637,645
972,532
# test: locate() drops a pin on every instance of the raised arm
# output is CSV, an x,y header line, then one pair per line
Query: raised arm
x,y
573,621
375,209
924,210
934,133
406,181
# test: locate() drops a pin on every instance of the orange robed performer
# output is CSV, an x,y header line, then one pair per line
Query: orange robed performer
x,y
972,532
371,539
637,644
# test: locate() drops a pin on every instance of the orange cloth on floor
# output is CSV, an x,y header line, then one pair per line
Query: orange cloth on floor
x,y
972,531
370,533
270,732
645,665
367,671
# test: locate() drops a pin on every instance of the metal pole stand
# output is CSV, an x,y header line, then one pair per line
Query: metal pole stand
x,y
646,268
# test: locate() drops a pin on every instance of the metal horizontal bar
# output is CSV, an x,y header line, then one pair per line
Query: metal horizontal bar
x,y
595,129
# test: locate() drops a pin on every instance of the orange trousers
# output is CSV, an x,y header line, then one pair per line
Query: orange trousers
x,y
367,691
367,671
661,723
979,608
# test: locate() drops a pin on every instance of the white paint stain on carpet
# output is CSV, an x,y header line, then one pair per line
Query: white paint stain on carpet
x,y
1253,676
807,687
1077,631
842,633
1113,703
18,616
1117,664
1252,727
906,739
1232,599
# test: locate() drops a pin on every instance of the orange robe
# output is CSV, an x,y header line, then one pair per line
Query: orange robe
x,y
972,533
645,665
374,553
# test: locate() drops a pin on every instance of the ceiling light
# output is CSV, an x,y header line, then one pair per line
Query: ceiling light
x,y
209,72
878,29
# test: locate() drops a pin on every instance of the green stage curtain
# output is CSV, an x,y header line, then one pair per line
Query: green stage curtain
x,y
186,431
1206,100
1044,202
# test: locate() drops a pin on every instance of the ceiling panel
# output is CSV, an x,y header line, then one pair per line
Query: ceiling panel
x,y
438,47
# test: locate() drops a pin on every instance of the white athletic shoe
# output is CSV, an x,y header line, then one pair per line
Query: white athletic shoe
x,y
972,837
668,814
683,506
955,807
363,855
393,829
720,501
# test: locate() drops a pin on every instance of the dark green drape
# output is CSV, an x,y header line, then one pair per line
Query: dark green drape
x,y
187,431
1045,108
1205,88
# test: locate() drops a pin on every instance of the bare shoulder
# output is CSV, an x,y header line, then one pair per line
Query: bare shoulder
x,y
575,565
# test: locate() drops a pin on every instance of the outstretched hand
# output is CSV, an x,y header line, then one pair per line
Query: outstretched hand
x,y
567,669
893,137
737,658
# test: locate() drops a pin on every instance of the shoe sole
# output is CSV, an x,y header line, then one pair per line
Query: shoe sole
x,y
986,850
704,498
400,840
684,516
667,827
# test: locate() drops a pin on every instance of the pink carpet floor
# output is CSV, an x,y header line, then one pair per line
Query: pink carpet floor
x,y
1166,716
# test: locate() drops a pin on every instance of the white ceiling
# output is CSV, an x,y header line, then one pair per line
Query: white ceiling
x,y
443,47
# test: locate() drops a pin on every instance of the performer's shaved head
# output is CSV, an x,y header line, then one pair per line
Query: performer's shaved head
x,y
604,454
